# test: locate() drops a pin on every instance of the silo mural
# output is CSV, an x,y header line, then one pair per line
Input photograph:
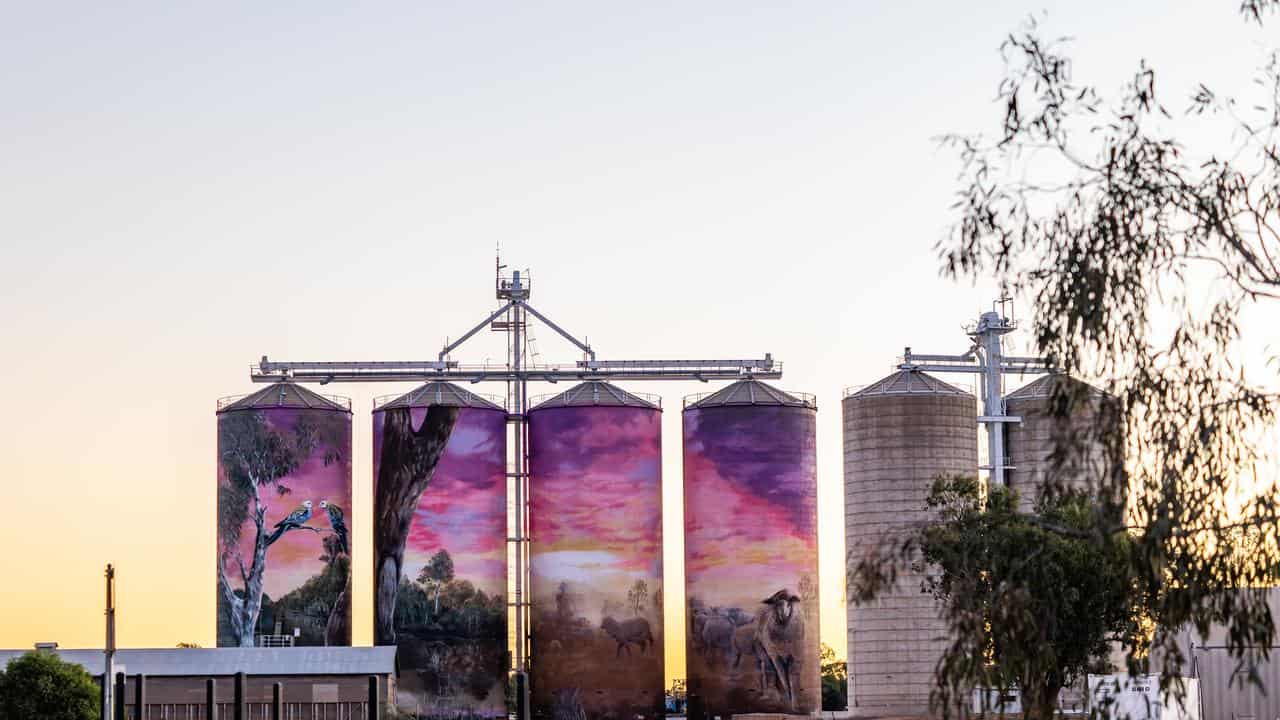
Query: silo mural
x,y
440,528
595,513
751,552
284,524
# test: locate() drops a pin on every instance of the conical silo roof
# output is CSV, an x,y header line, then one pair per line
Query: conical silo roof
x,y
1043,387
438,392
286,395
751,392
596,393
909,382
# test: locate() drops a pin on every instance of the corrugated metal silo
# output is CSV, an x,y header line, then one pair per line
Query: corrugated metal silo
x,y
1030,444
899,435
751,552
595,557
284,524
440,559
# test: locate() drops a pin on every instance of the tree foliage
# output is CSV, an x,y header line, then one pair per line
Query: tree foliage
x,y
42,685
1032,600
835,680
1138,252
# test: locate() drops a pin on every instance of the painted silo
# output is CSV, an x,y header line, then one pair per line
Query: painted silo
x,y
439,549
900,434
595,555
1031,443
284,518
751,552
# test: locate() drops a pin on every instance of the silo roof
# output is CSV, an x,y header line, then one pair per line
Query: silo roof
x,y
438,392
284,395
1042,387
750,392
597,393
909,382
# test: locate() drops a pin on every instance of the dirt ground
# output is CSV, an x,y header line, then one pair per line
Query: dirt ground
x,y
587,680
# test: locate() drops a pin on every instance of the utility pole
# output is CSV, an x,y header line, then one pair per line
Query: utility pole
x,y
109,668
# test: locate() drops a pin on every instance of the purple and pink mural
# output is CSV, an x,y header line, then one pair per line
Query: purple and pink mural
x,y
751,555
284,532
440,528
595,514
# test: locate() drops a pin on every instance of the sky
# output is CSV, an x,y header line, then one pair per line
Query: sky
x,y
185,189
595,501
464,509
750,503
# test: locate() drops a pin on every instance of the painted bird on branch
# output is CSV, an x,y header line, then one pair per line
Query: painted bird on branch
x,y
292,521
338,524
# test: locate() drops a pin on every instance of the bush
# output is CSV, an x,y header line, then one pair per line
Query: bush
x,y
41,685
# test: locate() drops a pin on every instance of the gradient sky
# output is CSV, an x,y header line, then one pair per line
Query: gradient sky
x,y
750,507
595,500
464,509
185,188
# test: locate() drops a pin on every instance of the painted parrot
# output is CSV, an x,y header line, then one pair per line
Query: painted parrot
x,y
339,526
295,519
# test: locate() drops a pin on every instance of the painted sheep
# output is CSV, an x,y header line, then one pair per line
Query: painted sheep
x,y
779,636
635,630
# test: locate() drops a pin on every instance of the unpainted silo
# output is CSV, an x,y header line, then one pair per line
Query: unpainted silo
x,y
900,434
440,560
751,552
595,555
284,523
1054,448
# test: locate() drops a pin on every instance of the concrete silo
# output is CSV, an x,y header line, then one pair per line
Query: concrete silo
x,y
751,552
284,522
595,554
1031,444
440,558
899,435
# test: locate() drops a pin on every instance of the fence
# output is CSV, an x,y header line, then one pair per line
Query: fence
x,y
216,708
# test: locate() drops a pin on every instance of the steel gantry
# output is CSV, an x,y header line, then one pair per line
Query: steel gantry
x,y
986,357
511,317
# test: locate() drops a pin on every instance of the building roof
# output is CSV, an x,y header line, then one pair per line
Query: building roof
x,y
908,382
750,392
598,393
438,392
1042,387
229,661
284,395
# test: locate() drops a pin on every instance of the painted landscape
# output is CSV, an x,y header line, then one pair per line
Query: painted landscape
x,y
751,560
596,563
284,500
440,552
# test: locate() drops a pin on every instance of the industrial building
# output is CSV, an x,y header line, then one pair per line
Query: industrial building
x,y
317,682
900,434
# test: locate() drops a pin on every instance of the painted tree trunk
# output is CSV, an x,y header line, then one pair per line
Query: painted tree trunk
x,y
406,464
337,632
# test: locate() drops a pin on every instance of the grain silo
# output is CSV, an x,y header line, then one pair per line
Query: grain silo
x,y
440,560
595,555
284,523
899,435
751,552
1047,448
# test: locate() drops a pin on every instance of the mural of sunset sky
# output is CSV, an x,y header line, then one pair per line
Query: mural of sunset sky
x,y
298,555
595,514
750,503
595,499
463,509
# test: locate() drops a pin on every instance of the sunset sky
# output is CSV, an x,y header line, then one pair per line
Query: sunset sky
x,y
464,509
595,505
186,188
749,503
